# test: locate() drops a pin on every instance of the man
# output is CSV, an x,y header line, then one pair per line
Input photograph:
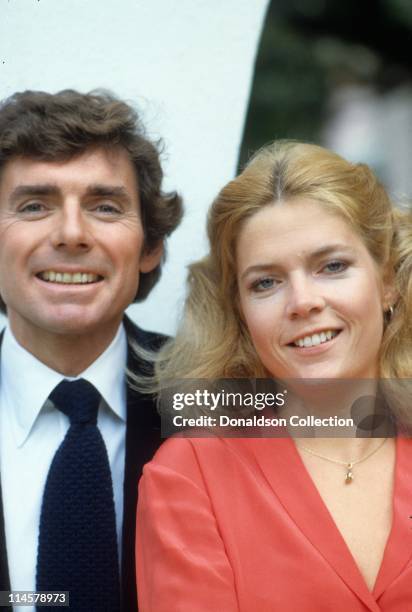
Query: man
x,y
82,226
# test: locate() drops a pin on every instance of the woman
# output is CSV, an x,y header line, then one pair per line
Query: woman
x,y
308,276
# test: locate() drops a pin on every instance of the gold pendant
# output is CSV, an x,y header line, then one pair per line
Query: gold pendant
x,y
349,474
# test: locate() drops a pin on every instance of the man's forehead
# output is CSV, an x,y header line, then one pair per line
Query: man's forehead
x,y
94,169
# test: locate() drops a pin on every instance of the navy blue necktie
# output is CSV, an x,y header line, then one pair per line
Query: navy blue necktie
x,y
77,539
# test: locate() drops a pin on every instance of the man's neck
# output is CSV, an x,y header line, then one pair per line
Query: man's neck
x,y
69,354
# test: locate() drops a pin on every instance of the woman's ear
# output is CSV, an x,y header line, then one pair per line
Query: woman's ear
x,y
390,293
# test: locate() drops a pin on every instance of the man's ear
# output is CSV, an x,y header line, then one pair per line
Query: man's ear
x,y
149,260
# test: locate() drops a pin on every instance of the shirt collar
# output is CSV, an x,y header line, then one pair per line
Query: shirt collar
x,y
26,382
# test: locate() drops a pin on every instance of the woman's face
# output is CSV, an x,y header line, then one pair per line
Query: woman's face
x,y
310,293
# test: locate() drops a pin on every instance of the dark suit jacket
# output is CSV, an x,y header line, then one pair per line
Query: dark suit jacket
x,y
142,440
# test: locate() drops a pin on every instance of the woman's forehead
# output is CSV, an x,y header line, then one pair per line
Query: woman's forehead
x,y
299,229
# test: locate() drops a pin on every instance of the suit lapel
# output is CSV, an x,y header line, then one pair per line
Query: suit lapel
x,y
142,440
4,566
301,500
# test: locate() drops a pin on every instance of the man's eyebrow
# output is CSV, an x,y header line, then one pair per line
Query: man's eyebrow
x,y
49,189
321,252
108,191
38,189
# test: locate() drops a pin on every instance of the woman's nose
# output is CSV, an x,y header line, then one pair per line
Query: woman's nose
x,y
304,298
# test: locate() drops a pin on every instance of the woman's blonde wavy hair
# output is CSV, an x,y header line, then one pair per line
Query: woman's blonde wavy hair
x,y
212,340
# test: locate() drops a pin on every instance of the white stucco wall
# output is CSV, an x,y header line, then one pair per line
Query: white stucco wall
x,y
187,65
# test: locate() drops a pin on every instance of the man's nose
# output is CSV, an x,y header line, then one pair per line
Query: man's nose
x,y
304,298
71,230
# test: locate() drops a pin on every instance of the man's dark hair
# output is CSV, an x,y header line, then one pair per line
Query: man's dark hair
x,y
56,127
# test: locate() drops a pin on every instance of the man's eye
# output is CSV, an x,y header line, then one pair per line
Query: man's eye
x,y
108,209
32,207
333,267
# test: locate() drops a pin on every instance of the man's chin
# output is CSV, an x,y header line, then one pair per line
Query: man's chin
x,y
74,324
69,321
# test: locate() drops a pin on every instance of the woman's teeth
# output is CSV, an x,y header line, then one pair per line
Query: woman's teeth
x,y
68,277
316,339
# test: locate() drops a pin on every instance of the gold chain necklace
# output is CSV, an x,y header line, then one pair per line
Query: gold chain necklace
x,y
348,465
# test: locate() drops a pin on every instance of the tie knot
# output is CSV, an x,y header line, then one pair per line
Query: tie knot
x,y
78,399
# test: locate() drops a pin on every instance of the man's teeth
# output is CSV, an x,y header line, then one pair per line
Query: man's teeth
x,y
68,277
316,339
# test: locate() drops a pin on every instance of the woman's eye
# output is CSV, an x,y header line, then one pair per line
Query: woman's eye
x,y
263,284
333,267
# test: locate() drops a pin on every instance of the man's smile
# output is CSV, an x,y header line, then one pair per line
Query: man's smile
x,y
70,278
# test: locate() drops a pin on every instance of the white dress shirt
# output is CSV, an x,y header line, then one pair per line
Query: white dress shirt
x,y
31,430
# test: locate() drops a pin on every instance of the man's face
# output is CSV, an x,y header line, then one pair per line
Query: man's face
x,y
71,244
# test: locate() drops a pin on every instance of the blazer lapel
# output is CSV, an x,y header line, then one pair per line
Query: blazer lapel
x,y
4,566
287,475
142,440
398,550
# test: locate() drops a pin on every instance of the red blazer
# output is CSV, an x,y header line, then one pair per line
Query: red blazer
x,y
237,525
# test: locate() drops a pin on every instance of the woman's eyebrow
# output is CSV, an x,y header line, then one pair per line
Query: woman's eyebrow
x,y
331,248
260,267
313,255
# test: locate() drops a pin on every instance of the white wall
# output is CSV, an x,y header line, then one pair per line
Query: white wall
x,y
187,64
